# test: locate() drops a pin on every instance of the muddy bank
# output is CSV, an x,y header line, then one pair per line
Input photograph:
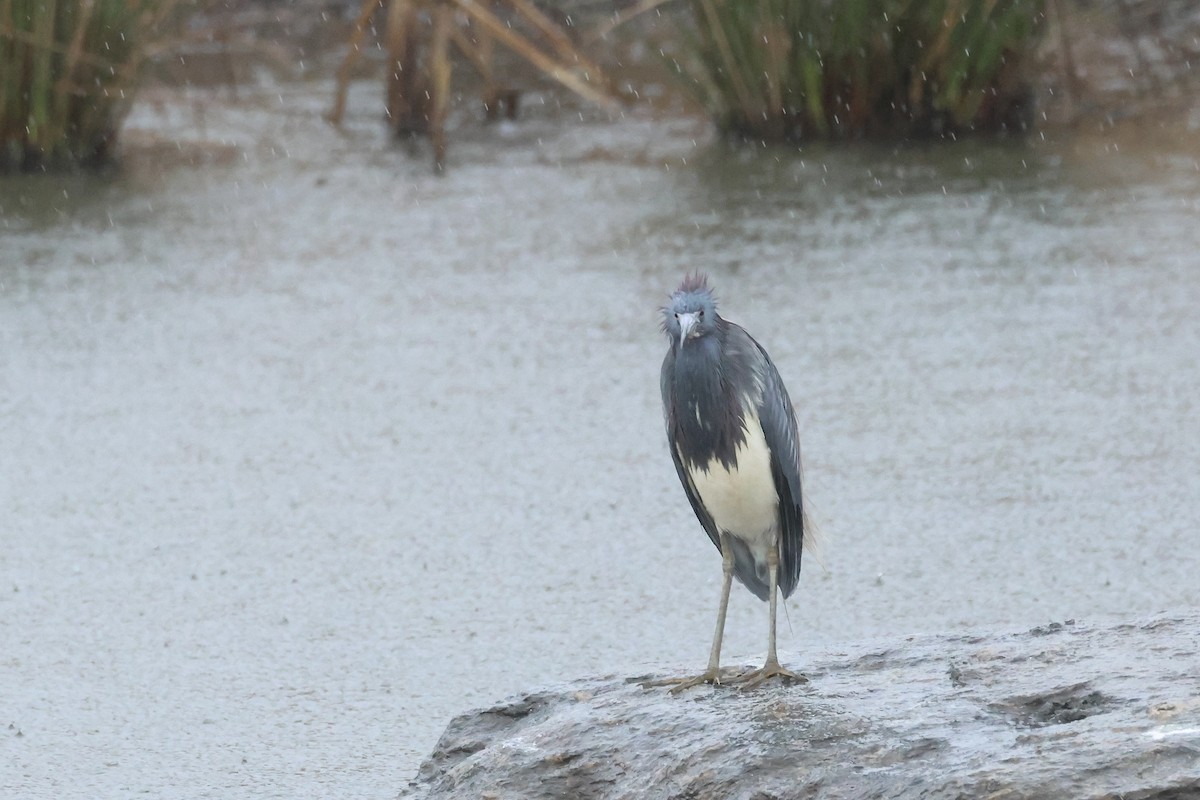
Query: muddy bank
x,y
1063,710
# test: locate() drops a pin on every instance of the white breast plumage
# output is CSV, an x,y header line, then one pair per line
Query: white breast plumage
x,y
742,499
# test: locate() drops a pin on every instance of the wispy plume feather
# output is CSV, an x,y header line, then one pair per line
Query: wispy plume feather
x,y
695,282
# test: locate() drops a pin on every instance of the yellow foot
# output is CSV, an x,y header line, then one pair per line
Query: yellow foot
x,y
714,676
771,669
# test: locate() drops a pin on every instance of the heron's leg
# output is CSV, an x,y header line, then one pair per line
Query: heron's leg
x,y
772,668
713,673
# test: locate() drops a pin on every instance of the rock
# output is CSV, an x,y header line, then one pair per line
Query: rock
x,y
1063,710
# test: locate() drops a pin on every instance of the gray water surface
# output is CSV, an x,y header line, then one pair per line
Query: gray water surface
x,y
303,450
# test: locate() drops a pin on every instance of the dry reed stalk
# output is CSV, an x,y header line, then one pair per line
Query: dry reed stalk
x,y
440,72
555,70
419,36
357,36
620,18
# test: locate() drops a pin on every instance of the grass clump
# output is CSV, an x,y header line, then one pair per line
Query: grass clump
x,y
67,69
792,69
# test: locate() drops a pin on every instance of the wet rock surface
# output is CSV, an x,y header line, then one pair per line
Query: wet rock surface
x,y
1066,710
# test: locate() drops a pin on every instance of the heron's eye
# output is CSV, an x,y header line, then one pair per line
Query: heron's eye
x,y
702,313
676,315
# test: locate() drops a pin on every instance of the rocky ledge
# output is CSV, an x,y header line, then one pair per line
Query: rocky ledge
x,y
1067,710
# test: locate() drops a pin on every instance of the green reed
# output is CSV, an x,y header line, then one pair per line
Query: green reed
x,y
847,68
67,71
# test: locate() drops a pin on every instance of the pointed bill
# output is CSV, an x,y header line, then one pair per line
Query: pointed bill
x,y
686,323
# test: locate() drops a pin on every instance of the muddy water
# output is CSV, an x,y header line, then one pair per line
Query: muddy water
x,y
304,450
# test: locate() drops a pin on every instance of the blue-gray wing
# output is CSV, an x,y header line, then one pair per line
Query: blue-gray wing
x,y
778,420
668,400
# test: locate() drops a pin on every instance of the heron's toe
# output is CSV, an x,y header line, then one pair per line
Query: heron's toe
x,y
709,676
772,669
714,676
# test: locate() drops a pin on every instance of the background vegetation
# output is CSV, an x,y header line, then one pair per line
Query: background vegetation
x,y
846,68
765,69
67,71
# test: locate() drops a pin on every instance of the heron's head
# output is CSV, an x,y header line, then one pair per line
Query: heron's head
x,y
692,312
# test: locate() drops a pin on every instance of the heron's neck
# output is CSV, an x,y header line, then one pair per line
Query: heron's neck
x,y
708,415
698,372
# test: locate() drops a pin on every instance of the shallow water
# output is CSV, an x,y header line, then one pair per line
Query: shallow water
x,y
305,450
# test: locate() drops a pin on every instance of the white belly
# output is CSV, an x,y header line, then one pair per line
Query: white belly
x,y
742,500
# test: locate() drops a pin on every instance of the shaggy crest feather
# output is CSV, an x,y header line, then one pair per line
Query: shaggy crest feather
x,y
693,283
